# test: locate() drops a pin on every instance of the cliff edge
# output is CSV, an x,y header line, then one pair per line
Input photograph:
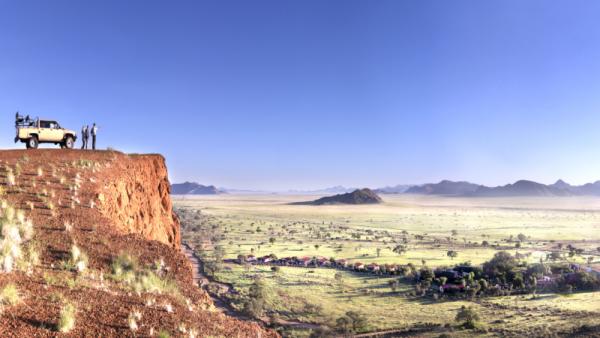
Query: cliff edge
x,y
90,246
134,192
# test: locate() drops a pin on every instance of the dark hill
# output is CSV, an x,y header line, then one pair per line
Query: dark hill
x,y
445,187
362,196
191,188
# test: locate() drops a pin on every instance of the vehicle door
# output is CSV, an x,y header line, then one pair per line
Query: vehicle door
x,y
44,131
57,131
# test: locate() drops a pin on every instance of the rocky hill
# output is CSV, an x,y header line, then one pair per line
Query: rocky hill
x,y
90,247
192,188
362,196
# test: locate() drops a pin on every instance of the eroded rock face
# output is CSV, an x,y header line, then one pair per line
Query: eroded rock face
x,y
134,192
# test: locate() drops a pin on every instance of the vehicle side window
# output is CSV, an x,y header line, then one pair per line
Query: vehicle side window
x,y
44,124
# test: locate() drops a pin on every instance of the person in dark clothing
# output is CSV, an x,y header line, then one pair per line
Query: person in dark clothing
x,y
18,119
94,132
83,137
87,137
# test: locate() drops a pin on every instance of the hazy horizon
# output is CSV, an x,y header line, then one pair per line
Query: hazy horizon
x,y
305,95
358,186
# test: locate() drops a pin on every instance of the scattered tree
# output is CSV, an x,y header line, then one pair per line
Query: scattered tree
x,y
468,317
399,249
257,294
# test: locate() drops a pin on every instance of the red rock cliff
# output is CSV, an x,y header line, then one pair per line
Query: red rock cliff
x,y
135,194
106,204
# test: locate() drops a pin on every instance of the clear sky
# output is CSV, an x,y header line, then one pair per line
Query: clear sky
x,y
305,94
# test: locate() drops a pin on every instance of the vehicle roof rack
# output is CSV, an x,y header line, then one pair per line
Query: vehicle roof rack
x,y
25,121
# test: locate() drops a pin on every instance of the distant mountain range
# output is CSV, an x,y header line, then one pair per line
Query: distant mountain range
x,y
192,188
444,188
358,196
519,188
397,189
338,189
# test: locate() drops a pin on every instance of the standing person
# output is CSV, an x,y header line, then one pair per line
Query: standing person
x,y
83,140
86,136
94,132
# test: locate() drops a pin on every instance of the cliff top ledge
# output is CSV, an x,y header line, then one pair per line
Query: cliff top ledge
x,y
91,236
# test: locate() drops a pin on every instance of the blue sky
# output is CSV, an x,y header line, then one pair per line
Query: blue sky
x,y
306,94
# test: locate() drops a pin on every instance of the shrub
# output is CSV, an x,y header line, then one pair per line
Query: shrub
x,y
66,321
125,268
78,260
28,259
10,295
10,179
132,320
163,334
356,320
468,316
148,281
14,230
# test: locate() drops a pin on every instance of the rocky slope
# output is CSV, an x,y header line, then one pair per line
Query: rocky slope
x,y
94,232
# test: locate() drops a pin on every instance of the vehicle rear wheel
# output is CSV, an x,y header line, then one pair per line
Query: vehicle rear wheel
x,y
32,143
69,143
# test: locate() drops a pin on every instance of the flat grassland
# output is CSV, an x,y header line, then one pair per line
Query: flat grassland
x,y
427,227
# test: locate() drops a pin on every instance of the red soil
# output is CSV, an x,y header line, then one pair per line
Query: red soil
x,y
135,217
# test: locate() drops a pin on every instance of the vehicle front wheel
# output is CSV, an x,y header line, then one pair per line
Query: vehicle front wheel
x,y
32,143
69,143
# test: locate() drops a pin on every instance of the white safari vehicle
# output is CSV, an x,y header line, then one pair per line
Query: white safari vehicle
x,y
32,132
